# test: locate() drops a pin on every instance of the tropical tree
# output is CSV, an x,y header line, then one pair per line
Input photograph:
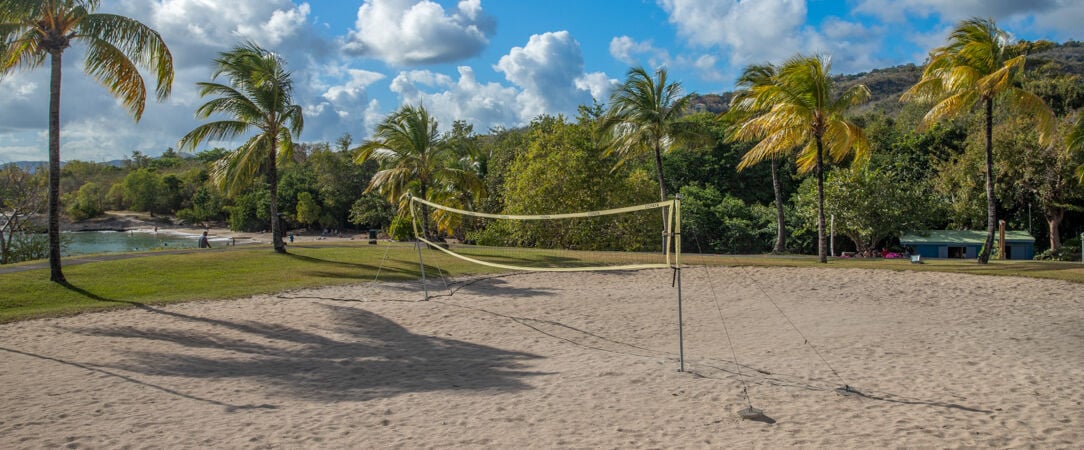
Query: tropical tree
x,y
644,118
117,47
415,159
258,95
20,201
798,108
754,76
977,67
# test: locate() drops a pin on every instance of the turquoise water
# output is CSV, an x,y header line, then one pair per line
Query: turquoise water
x,y
83,242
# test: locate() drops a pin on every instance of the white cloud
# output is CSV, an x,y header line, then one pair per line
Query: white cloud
x,y
405,32
752,30
547,77
485,105
598,84
354,88
546,69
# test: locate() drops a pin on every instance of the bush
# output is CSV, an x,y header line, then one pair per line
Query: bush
x,y
1069,251
26,246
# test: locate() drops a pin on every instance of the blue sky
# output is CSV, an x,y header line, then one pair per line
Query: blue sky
x,y
489,62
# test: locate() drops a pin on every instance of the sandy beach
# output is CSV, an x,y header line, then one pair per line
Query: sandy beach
x,y
572,360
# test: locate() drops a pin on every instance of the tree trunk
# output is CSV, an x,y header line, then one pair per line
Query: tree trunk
x,y
991,201
1054,217
55,273
425,211
780,221
273,179
822,241
662,195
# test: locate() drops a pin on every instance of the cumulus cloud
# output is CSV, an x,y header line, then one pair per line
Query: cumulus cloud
x,y
406,32
770,31
752,31
546,76
629,51
485,105
547,70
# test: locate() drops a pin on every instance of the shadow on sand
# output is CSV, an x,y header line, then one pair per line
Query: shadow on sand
x,y
356,356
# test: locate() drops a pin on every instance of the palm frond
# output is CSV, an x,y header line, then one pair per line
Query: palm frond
x,y
1033,106
139,43
113,70
213,131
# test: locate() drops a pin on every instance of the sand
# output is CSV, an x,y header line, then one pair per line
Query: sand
x,y
580,360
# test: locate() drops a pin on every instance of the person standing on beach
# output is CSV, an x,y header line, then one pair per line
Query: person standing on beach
x,y
203,242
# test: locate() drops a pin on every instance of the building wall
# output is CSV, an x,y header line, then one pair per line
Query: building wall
x,y
1017,251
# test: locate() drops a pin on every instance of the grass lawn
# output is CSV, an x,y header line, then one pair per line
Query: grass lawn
x,y
233,272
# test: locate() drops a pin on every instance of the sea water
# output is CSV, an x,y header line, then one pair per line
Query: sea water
x,y
84,242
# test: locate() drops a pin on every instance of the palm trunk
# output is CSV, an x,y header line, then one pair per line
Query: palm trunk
x,y
991,201
273,178
1054,217
822,242
55,273
425,211
662,194
780,221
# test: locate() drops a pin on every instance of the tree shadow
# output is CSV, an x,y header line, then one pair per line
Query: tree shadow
x,y
358,356
388,270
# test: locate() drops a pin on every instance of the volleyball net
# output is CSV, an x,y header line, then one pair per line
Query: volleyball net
x,y
630,238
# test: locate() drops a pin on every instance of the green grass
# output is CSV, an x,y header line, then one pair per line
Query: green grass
x,y
200,275
244,271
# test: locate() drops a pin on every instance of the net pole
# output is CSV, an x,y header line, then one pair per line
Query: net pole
x,y
676,225
418,245
425,286
681,327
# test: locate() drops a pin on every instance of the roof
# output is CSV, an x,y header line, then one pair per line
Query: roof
x,y
969,237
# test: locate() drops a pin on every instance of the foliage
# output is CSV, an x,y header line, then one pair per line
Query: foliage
x,y
207,205
143,189
21,198
371,211
562,170
870,205
88,202
722,223
1039,174
250,210
308,212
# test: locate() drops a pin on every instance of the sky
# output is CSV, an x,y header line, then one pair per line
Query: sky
x,y
492,63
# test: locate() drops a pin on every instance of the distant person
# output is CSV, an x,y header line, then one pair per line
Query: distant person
x,y
203,242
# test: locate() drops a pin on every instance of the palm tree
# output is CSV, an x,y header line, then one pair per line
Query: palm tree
x,y
753,76
117,47
799,108
258,96
415,159
975,68
644,117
